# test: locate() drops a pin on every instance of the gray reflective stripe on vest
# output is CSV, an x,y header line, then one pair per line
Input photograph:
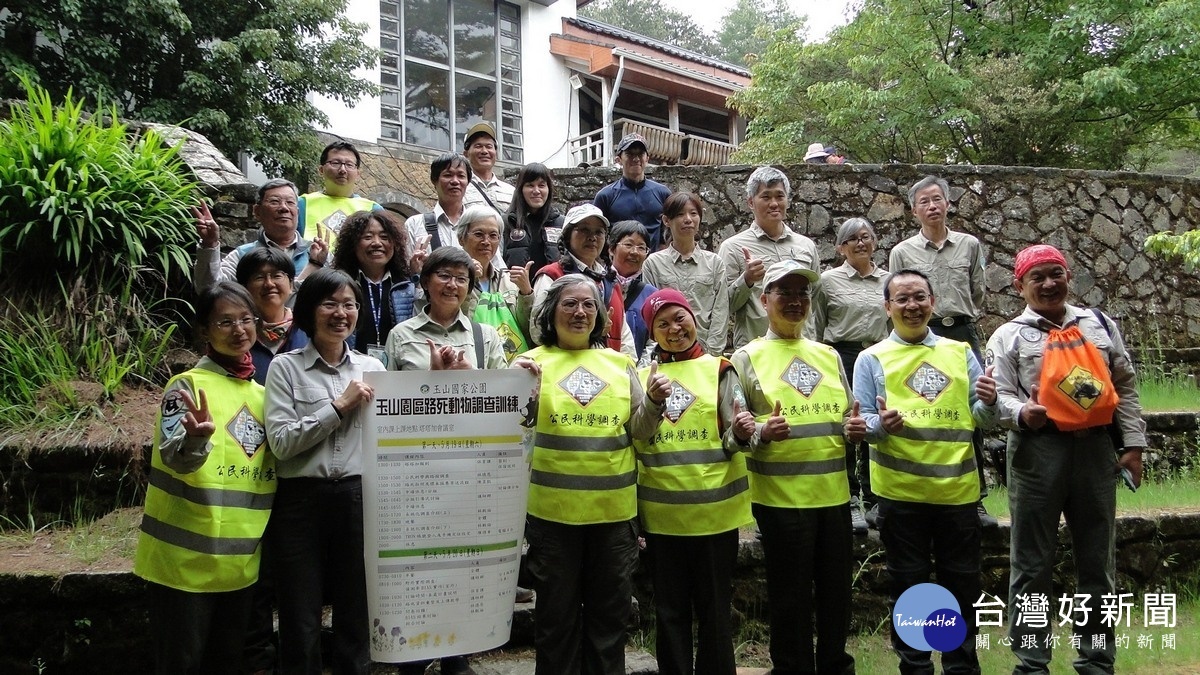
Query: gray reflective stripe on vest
x,y
925,470
711,496
198,542
682,457
210,496
815,429
796,468
935,435
577,482
584,443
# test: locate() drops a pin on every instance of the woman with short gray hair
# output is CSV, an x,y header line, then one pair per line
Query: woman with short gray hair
x,y
848,315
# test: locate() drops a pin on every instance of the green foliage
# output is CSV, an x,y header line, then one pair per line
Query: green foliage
x,y
1184,246
746,29
79,196
50,343
239,72
653,19
1017,82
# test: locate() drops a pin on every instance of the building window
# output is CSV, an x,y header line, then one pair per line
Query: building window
x,y
448,65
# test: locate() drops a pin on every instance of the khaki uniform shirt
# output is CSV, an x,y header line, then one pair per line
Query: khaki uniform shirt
x,y
498,191
407,349
1015,351
701,278
955,270
749,315
848,306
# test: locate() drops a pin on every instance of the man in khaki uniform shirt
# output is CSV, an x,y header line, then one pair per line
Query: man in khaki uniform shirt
x,y
748,253
954,263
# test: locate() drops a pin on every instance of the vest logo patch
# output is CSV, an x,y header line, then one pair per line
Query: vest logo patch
x,y
334,220
678,402
582,386
247,431
510,339
801,377
1081,387
928,382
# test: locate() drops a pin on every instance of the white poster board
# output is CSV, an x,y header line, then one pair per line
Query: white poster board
x,y
445,478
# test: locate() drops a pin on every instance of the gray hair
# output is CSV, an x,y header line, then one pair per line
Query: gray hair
x,y
926,182
271,185
473,214
542,321
851,227
765,176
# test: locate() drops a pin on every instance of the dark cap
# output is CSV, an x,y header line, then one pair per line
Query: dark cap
x,y
631,139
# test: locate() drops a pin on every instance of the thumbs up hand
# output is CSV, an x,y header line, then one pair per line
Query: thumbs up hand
x,y
776,428
855,427
985,387
890,419
1033,413
658,386
743,423
755,268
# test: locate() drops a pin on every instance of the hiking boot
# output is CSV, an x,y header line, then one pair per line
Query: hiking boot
x,y
986,520
873,517
858,523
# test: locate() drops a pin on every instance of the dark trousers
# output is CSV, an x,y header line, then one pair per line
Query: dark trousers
x,y
197,633
808,568
924,540
260,649
583,577
968,333
316,536
693,578
858,455
1052,474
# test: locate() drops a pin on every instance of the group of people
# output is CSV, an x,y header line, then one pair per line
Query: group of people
x,y
851,395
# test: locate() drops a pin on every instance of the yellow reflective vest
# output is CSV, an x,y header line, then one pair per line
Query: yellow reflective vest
x,y
201,530
325,214
808,469
687,485
583,470
931,459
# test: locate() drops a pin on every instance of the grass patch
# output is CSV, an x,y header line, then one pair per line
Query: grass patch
x,y
1174,493
1167,391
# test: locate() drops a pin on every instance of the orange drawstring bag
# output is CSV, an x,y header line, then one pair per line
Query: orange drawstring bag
x,y
1075,386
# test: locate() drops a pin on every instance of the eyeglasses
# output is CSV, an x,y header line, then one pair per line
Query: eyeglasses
x,y
228,325
919,298
276,202
636,248
485,236
342,165
275,277
334,305
572,305
446,277
926,201
860,239
791,295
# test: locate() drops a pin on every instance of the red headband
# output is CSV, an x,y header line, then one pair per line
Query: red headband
x,y
1037,255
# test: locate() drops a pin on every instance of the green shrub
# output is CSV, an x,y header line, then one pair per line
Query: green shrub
x,y
80,197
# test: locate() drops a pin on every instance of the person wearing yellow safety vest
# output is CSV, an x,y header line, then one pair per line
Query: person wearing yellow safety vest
x,y
582,520
797,390
693,492
922,397
323,212
212,482
502,297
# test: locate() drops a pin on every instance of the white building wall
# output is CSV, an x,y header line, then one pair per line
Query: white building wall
x,y
549,110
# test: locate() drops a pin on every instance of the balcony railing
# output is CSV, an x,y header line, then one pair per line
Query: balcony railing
x,y
664,146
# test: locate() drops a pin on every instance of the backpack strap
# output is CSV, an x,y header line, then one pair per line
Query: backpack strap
x,y
477,333
431,228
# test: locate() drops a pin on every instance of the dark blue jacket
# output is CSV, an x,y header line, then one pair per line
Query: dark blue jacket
x,y
626,200
261,356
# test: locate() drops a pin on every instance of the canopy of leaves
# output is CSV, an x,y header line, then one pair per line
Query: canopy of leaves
x,y
746,29
653,19
1068,83
238,72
